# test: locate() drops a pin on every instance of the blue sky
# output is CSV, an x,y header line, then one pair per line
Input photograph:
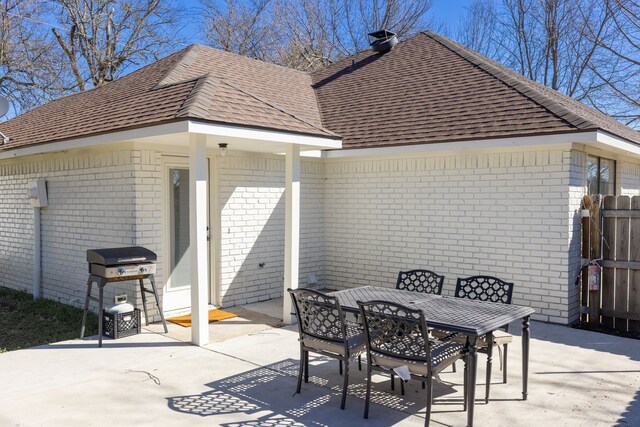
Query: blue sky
x,y
449,11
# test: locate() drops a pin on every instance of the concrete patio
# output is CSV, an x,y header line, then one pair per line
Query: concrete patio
x,y
576,378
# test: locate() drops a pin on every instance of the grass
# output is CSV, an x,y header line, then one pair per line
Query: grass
x,y
26,323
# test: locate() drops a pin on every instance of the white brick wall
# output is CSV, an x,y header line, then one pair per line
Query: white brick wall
x,y
16,233
106,199
252,226
148,217
501,214
628,178
97,199
577,162
90,205
514,215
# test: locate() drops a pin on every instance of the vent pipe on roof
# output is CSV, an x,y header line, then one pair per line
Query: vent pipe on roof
x,y
383,41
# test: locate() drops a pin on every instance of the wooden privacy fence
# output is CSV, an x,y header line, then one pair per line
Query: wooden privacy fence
x,y
611,235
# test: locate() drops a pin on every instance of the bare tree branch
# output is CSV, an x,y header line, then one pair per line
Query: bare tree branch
x,y
105,36
28,74
587,49
307,34
242,27
477,29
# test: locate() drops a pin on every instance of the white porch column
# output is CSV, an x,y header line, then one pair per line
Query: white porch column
x,y
198,239
291,228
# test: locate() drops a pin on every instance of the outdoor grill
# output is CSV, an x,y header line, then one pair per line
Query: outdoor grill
x,y
115,265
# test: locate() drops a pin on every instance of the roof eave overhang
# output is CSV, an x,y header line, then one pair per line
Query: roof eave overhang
x,y
97,140
612,141
229,133
237,137
594,138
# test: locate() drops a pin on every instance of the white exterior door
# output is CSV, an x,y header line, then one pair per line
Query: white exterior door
x,y
177,288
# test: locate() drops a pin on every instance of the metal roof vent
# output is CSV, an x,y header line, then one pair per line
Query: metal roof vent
x,y
383,41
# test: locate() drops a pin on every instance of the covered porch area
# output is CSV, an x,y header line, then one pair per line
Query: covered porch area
x,y
255,318
204,141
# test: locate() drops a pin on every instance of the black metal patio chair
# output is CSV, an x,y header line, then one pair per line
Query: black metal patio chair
x,y
425,281
324,330
488,288
398,336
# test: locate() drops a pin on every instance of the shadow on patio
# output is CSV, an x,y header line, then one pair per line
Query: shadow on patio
x,y
266,396
582,338
250,379
631,413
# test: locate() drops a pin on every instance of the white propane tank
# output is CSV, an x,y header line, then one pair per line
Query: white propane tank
x,y
124,307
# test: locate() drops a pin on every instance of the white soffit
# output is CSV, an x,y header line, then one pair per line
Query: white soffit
x,y
244,138
468,145
149,132
260,140
236,138
617,143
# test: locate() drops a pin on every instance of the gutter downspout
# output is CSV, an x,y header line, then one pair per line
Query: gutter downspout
x,y
37,255
37,194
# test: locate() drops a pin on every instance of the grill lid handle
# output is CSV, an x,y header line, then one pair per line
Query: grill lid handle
x,y
132,259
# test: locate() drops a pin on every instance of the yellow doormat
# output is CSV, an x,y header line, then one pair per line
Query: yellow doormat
x,y
214,316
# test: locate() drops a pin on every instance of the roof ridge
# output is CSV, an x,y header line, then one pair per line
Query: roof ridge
x,y
248,58
174,74
190,55
276,107
527,88
94,89
200,98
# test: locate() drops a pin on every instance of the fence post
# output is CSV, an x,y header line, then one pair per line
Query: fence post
x,y
634,279
594,253
609,245
584,276
622,254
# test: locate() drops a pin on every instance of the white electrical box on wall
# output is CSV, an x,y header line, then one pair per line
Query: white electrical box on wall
x,y
37,193
312,279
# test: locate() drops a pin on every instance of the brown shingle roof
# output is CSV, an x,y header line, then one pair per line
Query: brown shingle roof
x,y
427,89
575,112
431,89
197,82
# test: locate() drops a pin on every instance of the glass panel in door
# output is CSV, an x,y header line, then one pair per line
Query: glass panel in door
x,y
180,264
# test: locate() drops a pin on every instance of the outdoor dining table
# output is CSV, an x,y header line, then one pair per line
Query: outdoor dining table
x,y
472,318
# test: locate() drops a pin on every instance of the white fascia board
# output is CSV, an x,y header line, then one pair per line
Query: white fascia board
x,y
92,141
613,141
229,131
483,144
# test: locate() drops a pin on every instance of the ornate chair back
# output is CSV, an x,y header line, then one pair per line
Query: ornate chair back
x,y
319,316
420,281
484,288
395,331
